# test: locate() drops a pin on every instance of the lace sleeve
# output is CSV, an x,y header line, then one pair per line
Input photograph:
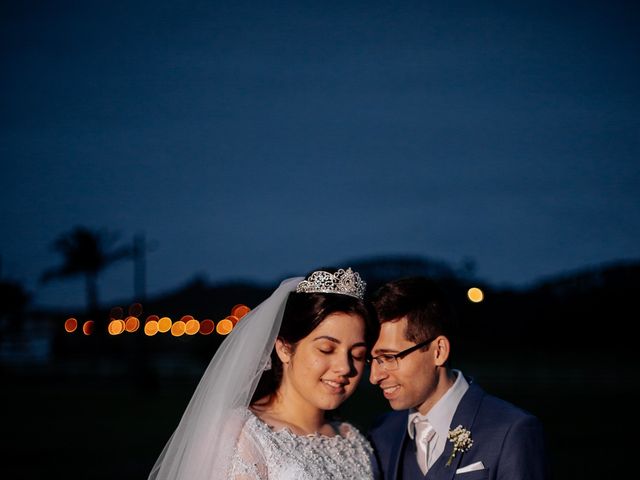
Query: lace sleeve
x,y
248,461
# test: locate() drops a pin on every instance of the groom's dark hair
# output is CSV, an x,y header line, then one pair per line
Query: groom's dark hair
x,y
425,305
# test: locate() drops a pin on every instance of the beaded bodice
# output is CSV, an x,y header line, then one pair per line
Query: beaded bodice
x,y
263,453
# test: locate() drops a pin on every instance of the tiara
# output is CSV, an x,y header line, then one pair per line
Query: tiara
x,y
343,282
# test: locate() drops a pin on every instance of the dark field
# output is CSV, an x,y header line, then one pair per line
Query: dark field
x,y
82,428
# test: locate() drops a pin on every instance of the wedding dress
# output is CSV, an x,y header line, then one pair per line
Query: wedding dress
x,y
263,453
218,438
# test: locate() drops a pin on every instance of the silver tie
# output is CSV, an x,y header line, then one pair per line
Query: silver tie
x,y
424,434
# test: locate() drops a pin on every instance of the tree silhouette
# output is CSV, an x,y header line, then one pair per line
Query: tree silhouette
x,y
86,252
13,302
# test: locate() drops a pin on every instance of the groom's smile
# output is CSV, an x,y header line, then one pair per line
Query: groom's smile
x,y
410,384
389,391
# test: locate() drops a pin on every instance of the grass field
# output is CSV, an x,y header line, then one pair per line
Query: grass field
x,y
82,428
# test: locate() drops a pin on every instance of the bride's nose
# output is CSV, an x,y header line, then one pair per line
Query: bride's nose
x,y
342,365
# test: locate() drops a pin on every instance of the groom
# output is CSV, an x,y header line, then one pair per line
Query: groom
x,y
492,439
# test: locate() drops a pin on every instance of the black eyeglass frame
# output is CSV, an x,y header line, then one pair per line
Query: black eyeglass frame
x,y
401,354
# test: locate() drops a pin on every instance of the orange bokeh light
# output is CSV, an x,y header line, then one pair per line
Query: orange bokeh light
x,y
132,324
178,328
206,326
135,309
224,326
164,324
87,327
192,327
233,319
475,295
116,327
151,328
153,318
240,311
186,318
70,325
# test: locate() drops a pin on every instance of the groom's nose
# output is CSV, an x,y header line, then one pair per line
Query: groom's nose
x,y
377,373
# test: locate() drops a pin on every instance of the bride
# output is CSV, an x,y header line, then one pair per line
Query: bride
x,y
260,409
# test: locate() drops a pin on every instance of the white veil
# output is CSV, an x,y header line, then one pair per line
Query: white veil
x,y
203,443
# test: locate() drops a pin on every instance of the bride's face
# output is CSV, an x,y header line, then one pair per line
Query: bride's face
x,y
326,365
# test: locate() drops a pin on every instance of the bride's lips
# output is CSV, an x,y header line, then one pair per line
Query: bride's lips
x,y
334,386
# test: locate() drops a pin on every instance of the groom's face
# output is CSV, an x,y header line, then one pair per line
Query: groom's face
x,y
413,383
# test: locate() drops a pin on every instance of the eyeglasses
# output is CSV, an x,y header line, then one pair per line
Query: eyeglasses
x,y
389,361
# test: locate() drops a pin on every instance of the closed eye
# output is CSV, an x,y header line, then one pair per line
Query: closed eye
x,y
359,354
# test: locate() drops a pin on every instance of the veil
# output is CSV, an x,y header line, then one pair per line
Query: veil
x,y
203,443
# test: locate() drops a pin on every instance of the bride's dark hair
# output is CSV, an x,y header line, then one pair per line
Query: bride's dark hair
x,y
303,313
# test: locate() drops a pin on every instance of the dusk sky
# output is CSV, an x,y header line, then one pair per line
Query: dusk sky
x,y
254,140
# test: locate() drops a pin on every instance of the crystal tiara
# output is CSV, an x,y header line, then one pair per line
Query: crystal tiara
x,y
343,282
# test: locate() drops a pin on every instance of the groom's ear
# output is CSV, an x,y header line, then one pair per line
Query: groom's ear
x,y
283,350
441,350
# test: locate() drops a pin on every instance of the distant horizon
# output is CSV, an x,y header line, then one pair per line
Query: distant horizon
x,y
76,285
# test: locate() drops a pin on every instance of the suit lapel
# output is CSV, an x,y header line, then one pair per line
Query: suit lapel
x,y
465,415
395,458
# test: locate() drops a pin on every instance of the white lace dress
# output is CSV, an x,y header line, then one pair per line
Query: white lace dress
x,y
266,454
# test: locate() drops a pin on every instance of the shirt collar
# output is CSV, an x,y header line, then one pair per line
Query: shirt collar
x,y
441,414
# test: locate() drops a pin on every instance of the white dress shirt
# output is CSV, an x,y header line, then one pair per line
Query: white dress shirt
x,y
440,416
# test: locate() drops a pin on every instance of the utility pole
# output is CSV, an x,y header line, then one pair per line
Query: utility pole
x,y
139,268
143,373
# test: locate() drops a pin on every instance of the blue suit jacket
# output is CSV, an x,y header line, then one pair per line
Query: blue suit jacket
x,y
507,440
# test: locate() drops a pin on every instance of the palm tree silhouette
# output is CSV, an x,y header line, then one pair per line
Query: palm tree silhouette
x,y
86,252
13,303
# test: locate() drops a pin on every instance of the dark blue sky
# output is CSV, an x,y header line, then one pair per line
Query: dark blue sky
x,y
258,139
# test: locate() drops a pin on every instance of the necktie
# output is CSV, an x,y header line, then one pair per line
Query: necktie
x,y
424,434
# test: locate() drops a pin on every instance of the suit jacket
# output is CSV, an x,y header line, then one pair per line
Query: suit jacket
x,y
507,440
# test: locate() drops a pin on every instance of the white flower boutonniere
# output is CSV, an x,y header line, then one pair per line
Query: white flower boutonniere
x,y
461,438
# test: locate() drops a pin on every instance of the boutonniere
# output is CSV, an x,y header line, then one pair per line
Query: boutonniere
x,y
461,438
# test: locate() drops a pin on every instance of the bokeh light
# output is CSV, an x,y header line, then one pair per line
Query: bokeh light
x,y
207,326
164,324
153,324
70,325
224,326
192,327
135,310
151,328
475,295
178,328
87,327
132,324
240,311
116,326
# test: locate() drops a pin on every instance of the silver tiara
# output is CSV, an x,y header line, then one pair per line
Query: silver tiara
x,y
344,282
